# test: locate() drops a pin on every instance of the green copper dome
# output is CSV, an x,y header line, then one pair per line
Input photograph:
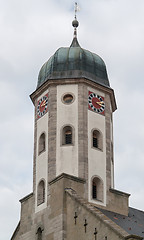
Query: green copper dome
x,y
74,62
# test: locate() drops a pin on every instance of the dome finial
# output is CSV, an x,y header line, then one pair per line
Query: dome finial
x,y
75,24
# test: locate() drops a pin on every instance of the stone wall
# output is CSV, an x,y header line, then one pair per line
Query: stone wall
x,y
52,133
118,202
85,221
82,134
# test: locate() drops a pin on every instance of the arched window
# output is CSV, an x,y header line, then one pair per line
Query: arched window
x,y
39,234
41,143
94,190
67,135
97,139
41,193
97,189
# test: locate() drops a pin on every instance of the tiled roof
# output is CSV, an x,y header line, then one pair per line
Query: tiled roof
x,y
132,224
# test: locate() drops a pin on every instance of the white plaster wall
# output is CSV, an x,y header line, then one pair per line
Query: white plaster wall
x,y
42,159
67,114
96,158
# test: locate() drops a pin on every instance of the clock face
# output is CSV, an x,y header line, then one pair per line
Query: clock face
x,y
42,106
96,103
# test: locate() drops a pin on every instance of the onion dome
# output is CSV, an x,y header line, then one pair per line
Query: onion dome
x,y
74,62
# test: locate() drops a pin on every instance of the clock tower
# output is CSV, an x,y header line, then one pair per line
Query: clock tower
x,y
74,104
73,165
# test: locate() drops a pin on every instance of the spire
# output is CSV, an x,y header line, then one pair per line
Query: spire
x,y
75,24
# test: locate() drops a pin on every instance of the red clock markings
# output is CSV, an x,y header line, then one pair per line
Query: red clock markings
x,y
42,106
96,103
43,103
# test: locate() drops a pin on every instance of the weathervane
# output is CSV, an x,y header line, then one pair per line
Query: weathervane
x,y
75,24
76,10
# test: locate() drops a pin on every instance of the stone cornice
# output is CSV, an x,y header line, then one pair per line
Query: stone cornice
x,y
64,175
88,82
26,197
119,192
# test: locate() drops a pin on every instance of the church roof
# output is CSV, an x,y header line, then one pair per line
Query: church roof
x,y
74,62
132,224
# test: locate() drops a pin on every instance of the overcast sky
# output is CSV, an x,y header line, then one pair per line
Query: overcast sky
x,y
30,32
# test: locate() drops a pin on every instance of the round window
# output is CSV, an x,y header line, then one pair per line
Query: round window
x,y
68,98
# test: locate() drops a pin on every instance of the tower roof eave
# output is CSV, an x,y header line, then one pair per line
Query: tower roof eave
x,y
75,80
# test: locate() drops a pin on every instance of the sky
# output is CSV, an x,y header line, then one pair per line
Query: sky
x,y
31,31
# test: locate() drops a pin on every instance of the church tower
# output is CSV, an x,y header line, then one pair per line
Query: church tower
x,y
73,123
73,145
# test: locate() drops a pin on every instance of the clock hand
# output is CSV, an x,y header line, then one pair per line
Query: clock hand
x,y
43,104
100,103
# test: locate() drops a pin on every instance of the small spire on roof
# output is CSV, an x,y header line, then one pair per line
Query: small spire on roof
x,y
75,24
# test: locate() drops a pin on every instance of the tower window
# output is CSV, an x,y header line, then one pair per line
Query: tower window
x,y
41,193
94,191
97,189
97,139
41,143
68,98
67,135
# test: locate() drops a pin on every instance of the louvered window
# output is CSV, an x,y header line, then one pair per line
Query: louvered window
x,y
94,192
97,189
41,193
68,137
97,140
